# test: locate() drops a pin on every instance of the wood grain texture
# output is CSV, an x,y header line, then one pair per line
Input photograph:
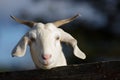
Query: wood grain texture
x,y
109,70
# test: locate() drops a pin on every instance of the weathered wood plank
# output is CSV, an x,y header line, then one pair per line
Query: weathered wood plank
x,y
109,70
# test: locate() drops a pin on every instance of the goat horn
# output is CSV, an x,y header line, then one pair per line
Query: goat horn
x,y
65,21
28,23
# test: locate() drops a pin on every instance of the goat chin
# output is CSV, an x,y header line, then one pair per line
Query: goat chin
x,y
49,66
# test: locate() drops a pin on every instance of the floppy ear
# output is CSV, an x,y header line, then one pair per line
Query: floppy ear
x,y
20,48
67,38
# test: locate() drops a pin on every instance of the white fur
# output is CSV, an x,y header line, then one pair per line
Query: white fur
x,y
46,39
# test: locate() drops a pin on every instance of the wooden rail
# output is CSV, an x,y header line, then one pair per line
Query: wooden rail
x,y
109,70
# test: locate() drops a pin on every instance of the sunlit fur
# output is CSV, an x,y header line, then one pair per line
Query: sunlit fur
x,y
46,39
45,43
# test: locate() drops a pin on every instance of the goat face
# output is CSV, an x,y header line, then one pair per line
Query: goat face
x,y
45,45
44,41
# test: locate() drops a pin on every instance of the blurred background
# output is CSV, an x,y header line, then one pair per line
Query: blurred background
x,y
97,29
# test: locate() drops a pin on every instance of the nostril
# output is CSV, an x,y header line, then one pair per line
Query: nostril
x,y
46,56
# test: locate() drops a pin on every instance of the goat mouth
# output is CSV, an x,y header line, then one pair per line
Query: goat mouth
x,y
46,63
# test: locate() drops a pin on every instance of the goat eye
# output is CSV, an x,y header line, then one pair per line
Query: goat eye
x,y
57,38
32,39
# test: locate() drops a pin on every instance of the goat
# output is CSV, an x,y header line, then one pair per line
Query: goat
x,y
45,43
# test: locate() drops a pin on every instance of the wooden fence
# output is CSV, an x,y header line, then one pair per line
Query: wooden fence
x,y
109,70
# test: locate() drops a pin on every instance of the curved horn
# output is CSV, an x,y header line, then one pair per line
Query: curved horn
x,y
28,23
65,21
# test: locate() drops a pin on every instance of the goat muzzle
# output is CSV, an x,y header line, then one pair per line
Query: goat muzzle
x,y
46,56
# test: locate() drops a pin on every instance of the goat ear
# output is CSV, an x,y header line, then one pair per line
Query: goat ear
x,y
20,48
67,38
78,53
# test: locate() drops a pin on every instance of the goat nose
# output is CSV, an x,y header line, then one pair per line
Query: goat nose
x,y
46,56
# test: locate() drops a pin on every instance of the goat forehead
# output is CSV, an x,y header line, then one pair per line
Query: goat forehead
x,y
46,29
39,25
47,33
48,26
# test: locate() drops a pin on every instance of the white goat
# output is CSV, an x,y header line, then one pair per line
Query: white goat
x,y
44,41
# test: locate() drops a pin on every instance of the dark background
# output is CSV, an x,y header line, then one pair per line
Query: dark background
x,y
97,29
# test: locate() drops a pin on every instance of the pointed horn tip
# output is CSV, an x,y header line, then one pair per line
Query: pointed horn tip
x,y
77,15
74,17
12,17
